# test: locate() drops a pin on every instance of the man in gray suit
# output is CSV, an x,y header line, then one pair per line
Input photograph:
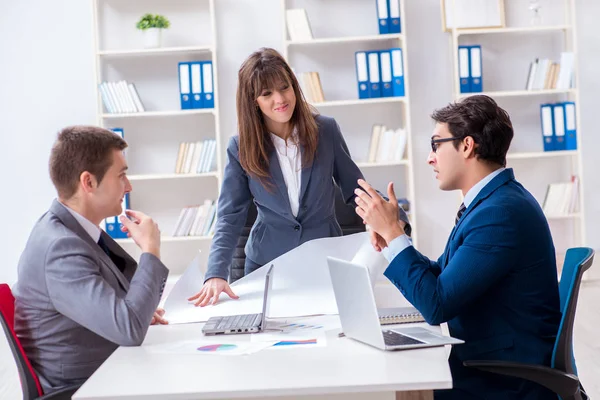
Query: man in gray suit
x,y
79,295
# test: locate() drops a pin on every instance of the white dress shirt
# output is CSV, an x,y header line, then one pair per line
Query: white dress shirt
x,y
290,160
402,242
92,229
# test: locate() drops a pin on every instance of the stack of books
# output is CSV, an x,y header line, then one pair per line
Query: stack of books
x,y
387,145
297,25
196,157
196,220
120,97
546,74
561,198
310,83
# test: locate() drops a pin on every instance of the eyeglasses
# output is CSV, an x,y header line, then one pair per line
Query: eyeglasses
x,y
435,142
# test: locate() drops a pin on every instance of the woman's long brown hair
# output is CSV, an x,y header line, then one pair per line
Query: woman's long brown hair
x,y
264,69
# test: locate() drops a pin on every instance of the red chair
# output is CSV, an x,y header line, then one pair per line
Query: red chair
x,y
30,383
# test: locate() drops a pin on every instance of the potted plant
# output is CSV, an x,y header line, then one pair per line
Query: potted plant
x,y
152,26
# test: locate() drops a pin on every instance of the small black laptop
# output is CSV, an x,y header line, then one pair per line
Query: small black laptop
x,y
246,323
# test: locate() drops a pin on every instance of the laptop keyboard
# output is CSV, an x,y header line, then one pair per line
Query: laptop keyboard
x,y
239,321
392,338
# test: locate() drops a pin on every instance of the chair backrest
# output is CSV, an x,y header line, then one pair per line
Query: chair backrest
x,y
30,383
349,221
577,261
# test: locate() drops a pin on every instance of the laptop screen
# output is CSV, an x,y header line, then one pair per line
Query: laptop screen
x,y
268,287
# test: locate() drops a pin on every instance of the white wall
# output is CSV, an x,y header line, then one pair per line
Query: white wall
x,y
48,82
46,70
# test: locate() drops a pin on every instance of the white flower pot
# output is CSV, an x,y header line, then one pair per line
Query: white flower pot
x,y
152,38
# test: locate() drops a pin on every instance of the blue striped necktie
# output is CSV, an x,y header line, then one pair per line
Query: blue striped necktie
x,y
460,212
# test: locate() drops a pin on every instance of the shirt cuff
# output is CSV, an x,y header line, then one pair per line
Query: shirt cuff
x,y
395,247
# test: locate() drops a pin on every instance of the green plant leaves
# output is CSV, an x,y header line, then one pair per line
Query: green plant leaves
x,y
148,21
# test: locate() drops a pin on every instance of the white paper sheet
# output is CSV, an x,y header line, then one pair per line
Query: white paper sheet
x,y
188,284
291,339
207,347
301,285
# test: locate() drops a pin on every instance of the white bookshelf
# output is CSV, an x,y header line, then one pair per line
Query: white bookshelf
x,y
346,39
166,113
331,53
154,136
533,167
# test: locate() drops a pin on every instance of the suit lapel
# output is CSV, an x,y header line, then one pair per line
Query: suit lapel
x,y
70,222
491,187
278,180
305,175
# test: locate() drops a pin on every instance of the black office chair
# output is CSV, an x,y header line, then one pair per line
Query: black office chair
x,y
345,214
561,376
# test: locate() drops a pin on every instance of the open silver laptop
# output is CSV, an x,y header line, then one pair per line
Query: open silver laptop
x,y
244,323
359,317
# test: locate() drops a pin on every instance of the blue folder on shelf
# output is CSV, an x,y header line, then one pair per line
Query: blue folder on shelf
x,y
196,85
207,84
185,86
570,126
383,16
397,72
475,70
547,120
385,61
362,74
558,111
464,69
374,74
394,25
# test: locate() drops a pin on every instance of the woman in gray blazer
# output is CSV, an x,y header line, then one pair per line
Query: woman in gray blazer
x,y
287,158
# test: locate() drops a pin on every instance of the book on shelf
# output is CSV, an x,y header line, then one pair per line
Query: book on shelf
x,y
120,97
196,157
196,220
561,198
310,83
386,145
547,74
298,26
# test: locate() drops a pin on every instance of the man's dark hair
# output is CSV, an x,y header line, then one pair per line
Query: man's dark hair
x,y
78,149
482,119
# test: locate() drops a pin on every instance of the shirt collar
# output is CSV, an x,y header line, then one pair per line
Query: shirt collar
x,y
92,229
474,191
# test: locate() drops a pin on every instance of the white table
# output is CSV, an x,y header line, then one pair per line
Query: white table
x,y
344,369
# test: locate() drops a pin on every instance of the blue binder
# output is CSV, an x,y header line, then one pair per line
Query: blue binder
x,y
570,126
362,74
464,68
374,74
196,85
185,86
547,126
383,14
385,62
558,112
394,25
397,72
475,70
207,84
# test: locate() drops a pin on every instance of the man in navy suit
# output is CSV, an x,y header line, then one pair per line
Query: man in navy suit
x,y
495,284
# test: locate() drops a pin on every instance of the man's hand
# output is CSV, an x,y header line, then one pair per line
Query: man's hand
x,y
158,317
209,294
143,230
377,241
379,214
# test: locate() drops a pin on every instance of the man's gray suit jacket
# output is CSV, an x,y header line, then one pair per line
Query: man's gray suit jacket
x,y
73,306
276,230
